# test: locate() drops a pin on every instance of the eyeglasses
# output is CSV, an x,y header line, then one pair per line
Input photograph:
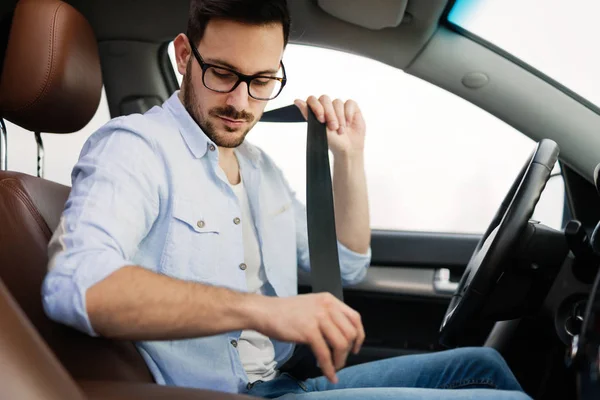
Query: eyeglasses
x,y
225,80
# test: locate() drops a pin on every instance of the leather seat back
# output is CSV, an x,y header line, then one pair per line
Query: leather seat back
x,y
28,369
51,82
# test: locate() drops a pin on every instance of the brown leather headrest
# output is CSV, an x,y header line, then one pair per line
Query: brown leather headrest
x,y
51,81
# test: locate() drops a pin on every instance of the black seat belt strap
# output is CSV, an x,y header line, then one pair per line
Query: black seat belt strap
x,y
322,240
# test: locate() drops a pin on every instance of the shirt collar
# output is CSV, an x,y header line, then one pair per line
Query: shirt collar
x,y
196,139
250,152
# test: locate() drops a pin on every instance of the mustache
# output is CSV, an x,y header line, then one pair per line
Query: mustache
x,y
231,113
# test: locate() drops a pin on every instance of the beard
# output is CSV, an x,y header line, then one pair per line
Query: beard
x,y
227,137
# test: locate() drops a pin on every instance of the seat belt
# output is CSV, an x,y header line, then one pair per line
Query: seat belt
x,y
322,240
287,114
325,272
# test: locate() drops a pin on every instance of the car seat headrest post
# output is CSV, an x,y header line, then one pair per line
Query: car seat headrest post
x,y
40,155
3,146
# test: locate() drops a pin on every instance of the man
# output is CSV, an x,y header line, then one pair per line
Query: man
x,y
182,236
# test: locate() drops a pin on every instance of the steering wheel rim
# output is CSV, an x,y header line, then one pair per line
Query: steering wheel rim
x,y
487,265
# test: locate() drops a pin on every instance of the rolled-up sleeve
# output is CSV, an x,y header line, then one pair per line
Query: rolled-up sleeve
x,y
112,205
353,265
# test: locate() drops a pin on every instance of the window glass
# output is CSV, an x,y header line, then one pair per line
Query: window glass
x,y
434,161
61,150
556,37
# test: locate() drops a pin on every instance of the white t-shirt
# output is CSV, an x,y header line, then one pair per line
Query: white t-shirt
x,y
256,350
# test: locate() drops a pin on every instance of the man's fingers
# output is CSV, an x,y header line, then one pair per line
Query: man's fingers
x,y
351,333
356,320
352,111
360,338
303,108
350,108
337,341
345,325
317,108
330,115
338,106
323,355
336,114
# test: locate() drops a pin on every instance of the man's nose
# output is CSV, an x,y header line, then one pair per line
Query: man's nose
x,y
239,98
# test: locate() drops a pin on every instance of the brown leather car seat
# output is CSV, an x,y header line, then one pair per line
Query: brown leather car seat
x,y
51,82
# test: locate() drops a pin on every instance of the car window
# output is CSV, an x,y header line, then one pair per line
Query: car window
x,y
434,161
565,54
61,150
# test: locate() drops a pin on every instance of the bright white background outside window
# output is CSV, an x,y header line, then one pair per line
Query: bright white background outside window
x,y
557,37
434,161
62,151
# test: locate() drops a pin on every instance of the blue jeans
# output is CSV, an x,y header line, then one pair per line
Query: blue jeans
x,y
479,373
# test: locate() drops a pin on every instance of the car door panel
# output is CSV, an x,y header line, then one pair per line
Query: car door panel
x,y
406,291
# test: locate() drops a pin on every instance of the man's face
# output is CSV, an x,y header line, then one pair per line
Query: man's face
x,y
226,118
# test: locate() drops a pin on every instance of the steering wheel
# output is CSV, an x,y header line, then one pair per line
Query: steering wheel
x,y
487,264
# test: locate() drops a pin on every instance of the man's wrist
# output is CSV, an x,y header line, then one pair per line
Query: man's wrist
x,y
255,310
350,160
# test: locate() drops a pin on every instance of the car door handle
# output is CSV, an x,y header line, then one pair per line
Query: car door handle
x,y
442,283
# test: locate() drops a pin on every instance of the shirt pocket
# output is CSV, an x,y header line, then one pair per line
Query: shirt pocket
x,y
280,210
195,242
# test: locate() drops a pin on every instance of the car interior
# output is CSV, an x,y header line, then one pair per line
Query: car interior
x,y
523,288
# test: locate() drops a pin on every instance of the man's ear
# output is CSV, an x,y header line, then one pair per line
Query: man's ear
x,y
183,52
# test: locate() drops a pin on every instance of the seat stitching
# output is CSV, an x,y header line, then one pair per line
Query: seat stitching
x,y
10,185
50,64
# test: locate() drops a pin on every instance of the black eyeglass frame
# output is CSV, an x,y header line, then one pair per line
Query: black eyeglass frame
x,y
241,77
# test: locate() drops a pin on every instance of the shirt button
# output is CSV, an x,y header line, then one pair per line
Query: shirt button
x,y
236,221
234,343
200,224
243,266
211,147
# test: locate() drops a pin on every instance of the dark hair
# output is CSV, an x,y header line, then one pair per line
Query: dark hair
x,y
253,12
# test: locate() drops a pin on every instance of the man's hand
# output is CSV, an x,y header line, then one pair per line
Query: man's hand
x,y
319,320
345,124
346,138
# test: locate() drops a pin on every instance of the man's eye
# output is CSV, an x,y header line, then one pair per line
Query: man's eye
x,y
262,82
223,74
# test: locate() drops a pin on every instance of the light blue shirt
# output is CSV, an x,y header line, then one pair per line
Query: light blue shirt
x,y
148,190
